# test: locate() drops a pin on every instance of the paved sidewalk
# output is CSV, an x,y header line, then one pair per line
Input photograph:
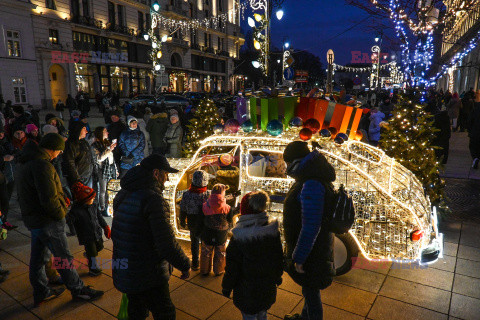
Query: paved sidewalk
x,y
448,289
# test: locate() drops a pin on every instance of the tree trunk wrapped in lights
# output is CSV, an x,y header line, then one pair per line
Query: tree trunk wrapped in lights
x,y
407,138
201,126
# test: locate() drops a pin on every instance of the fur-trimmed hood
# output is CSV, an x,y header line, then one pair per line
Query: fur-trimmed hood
x,y
255,226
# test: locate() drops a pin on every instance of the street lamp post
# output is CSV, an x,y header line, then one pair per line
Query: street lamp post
x,y
377,51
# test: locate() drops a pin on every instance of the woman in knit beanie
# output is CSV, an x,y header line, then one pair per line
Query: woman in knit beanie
x,y
191,210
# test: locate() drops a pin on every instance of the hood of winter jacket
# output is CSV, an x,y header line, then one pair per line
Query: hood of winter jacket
x,y
313,166
139,178
31,151
159,115
254,227
378,115
216,204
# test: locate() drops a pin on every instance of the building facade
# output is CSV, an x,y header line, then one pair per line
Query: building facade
x,y
459,30
18,65
98,46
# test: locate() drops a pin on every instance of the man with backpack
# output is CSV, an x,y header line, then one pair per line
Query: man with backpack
x,y
309,241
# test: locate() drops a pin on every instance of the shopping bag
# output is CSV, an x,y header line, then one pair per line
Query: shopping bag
x,y
123,312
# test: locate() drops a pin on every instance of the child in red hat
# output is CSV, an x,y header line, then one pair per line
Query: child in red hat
x,y
88,223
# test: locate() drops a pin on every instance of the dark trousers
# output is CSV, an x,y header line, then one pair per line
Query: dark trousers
x,y
195,246
7,195
156,300
52,236
312,310
474,147
443,152
92,249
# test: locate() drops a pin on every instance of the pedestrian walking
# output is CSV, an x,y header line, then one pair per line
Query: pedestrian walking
x,y
217,217
132,144
44,206
453,107
309,242
71,104
254,259
143,237
60,107
89,224
191,211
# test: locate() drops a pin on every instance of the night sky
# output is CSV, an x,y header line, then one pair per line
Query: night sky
x,y
313,25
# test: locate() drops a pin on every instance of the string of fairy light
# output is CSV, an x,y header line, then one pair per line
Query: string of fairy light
x,y
417,69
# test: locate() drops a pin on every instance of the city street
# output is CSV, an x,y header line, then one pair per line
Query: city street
x,y
448,289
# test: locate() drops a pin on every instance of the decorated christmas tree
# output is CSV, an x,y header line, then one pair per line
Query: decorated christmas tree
x,y
201,126
408,137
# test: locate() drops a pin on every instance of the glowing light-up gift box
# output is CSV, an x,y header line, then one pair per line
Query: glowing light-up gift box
x,y
270,109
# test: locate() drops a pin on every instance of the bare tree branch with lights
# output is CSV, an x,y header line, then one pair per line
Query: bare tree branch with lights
x,y
415,23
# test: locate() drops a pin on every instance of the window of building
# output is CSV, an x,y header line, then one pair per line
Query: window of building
x,y
140,21
207,14
75,8
86,8
148,21
111,13
50,4
206,2
53,36
13,43
220,5
218,44
205,43
19,90
121,15
209,40
190,10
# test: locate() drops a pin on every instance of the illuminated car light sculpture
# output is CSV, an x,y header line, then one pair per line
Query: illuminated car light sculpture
x,y
389,200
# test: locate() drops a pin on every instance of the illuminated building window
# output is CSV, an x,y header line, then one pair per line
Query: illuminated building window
x,y
50,4
53,36
13,44
19,90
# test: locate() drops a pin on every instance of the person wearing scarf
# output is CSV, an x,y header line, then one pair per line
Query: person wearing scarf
x,y
191,211
217,218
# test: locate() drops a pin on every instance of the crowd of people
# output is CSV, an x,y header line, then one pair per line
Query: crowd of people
x,y
61,170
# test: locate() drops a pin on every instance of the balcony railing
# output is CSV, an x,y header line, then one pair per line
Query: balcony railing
x,y
210,50
195,46
120,29
87,21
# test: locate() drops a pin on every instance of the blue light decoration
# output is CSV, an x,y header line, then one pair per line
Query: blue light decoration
x,y
456,58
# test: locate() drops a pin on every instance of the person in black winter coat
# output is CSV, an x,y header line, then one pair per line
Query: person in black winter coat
x,y
254,259
78,165
309,242
191,211
88,223
144,239
442,137
115,129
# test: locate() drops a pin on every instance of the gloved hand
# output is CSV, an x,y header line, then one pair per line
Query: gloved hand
x,y
226,293
108,232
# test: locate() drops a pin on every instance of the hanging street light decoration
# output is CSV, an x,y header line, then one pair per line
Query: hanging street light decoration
x,y
261,33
